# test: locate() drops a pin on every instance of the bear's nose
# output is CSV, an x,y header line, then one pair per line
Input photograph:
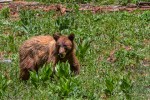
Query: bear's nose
x,y
62,52
61,55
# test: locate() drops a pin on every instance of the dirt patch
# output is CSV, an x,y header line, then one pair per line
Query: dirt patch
x,y
112,57
1,55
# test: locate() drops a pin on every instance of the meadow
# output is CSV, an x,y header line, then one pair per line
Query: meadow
x,y
113,49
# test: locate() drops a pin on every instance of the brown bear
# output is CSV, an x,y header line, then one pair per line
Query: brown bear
x,y
40,50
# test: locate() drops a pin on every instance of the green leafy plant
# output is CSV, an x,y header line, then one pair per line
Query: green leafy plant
x,y
42,76
5,12
145,16
83,47
66,83
111,84
63,70
126,87
8,41
28,21
27,16
65,22
66,86
34,78
3,84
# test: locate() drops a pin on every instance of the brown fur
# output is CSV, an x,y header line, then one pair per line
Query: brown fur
x,y
38,50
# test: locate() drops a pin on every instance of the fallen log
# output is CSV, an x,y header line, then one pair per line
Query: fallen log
x,y
143,3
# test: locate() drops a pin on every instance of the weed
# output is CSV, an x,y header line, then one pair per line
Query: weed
x,y
66,84
126,87
83,47
42,76
4,84
5,12
65,22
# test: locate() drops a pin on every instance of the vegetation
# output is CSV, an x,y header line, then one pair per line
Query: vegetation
x,y
113,49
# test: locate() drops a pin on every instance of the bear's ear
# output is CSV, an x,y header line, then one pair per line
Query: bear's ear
x,y
56,36
71,37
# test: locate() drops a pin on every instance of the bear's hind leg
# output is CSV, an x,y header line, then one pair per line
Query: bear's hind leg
x,y
24,74
26,65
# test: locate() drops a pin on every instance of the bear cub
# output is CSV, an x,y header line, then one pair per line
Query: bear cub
x,y
40,50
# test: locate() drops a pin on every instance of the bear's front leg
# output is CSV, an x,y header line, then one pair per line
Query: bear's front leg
x,y
74,64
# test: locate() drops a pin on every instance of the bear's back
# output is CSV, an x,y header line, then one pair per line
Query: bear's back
x,y
39,39
37,46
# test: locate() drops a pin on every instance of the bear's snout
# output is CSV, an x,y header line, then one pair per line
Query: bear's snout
x,y
62,55
62,52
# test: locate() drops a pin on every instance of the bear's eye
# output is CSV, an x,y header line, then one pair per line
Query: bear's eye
x,y
67,47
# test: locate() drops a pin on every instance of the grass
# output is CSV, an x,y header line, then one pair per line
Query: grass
x,y
113,49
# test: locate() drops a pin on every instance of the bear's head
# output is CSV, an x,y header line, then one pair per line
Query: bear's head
x,y
64,44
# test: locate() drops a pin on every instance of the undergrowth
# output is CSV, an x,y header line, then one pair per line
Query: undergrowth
x,y
113,49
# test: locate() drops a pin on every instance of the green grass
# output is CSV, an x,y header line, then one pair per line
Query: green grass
x,y
97,35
